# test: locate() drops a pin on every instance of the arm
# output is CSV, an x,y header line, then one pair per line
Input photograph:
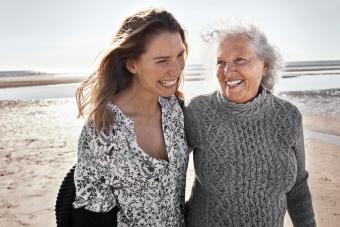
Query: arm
x,y
191,129
85,218
94,200
299,199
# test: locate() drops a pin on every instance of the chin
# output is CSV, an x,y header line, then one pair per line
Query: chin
x,y
234,98
238,97
164,93
238,101
168,94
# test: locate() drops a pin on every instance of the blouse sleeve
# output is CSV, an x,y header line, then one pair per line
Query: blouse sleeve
x,y
299,199
93,171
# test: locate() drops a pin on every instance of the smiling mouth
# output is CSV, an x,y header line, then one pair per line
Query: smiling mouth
x,y
233,83
167,84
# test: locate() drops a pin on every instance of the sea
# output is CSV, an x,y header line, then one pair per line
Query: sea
x,y
298,76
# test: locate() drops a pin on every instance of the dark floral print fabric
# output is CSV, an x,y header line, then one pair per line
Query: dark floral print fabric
x,y
112,170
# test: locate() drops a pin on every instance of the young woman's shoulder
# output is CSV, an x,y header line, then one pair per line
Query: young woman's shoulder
x,y
94,142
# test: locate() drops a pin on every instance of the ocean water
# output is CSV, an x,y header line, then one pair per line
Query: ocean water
x,y
39,92
191,87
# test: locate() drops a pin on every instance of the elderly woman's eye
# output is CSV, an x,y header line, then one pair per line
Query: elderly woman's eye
x,y
240,60
220,62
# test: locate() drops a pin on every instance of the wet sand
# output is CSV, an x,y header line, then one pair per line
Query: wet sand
x,y
38,141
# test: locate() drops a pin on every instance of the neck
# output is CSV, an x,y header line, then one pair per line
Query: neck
x,y
136,101
252,107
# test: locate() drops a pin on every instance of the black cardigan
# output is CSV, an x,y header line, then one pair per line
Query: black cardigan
x,y
85,218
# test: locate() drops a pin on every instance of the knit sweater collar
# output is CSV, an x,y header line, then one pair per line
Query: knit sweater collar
x,y
254,106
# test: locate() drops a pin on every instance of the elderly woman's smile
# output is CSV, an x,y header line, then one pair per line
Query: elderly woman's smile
x,y
233,83
239,69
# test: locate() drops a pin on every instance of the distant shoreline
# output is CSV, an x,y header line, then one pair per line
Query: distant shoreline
x,y
55,79
30,81
192,72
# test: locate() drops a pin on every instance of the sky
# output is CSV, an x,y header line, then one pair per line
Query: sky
x,y
69,34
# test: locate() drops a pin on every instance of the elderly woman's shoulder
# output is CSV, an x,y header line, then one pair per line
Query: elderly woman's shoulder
x,y
286,107
201,100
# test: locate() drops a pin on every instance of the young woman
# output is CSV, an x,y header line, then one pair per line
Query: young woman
x,y
132,153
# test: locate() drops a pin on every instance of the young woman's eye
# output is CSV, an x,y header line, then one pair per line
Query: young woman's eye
x,y
161,61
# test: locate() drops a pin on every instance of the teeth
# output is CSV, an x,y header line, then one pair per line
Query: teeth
x,y
234,82
167,83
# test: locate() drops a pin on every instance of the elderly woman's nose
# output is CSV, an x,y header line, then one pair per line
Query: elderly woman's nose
x,y
228,68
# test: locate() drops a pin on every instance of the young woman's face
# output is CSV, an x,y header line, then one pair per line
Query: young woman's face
x,y
239,69
158,69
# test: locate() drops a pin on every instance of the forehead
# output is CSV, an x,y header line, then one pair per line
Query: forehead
x,y
235,44
165,43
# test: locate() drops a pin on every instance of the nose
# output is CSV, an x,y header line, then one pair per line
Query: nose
x,y
225,69
175,69
228,68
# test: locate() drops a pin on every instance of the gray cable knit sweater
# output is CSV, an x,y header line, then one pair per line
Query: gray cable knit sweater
x,y
249,162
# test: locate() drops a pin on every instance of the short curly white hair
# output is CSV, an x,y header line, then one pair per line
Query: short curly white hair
x,y
267,52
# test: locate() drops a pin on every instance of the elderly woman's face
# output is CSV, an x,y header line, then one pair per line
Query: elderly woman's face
x,y
239,70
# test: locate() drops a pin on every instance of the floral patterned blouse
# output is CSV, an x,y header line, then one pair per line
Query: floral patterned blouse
x,y
112,170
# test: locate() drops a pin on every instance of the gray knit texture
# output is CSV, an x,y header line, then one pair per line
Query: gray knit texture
x,y
249,163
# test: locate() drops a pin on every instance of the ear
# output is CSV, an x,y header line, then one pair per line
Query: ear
x,y
130,66
265,69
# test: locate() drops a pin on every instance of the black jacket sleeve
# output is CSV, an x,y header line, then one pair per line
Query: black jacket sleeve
x,y
85,218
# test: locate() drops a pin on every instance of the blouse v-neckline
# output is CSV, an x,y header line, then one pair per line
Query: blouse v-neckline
x,y
123,120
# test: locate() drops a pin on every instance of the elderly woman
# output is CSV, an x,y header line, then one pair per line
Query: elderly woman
x,y
248,144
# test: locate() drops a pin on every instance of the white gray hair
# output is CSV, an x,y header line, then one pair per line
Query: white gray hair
x,y
264,50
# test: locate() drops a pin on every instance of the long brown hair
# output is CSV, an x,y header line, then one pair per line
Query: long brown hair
x,y
111,77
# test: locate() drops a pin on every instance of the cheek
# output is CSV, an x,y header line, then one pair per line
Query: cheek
x,y
259,75
256,81
158,69
219,74
252,73
181,63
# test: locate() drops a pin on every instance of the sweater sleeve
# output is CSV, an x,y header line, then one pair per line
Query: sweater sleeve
x,y
299,199
190,127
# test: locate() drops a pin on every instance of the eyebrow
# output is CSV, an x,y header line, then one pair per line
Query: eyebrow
x,y
165,57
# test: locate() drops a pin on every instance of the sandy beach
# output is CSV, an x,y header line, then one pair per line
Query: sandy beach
x,y
38,141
